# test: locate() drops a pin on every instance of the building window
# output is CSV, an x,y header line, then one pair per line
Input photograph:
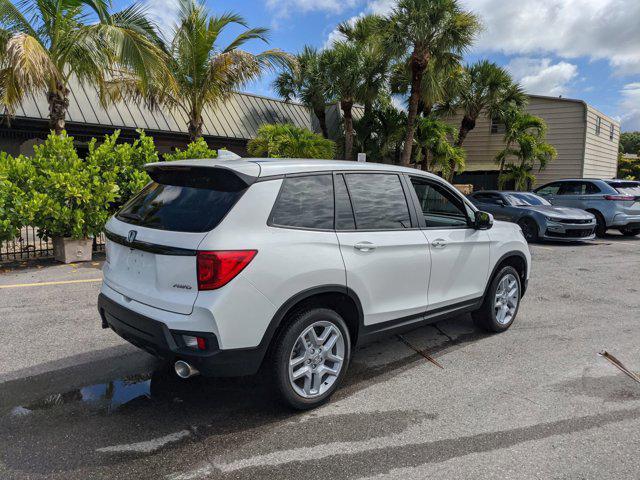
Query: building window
x,y
598,125
612,132
497,126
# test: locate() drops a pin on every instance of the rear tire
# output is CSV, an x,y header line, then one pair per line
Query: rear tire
x,y
311,357
601,224
530,229
501,305
630,232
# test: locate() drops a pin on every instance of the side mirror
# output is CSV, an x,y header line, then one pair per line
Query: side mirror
x,y
501,203
484,221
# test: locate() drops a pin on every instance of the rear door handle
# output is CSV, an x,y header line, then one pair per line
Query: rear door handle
x,y
365,246
439,243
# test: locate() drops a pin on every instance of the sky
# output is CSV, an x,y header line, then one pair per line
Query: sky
x,y
584,49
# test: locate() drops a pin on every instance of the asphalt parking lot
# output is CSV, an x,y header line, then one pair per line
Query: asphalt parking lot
x,y
76,402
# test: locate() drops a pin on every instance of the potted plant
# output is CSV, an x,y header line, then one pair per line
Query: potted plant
x,y
69,197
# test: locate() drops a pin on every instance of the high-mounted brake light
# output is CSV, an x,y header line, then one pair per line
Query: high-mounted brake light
x,y
216,269
623,198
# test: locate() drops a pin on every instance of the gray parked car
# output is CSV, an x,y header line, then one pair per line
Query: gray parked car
x,y
537,218
615,203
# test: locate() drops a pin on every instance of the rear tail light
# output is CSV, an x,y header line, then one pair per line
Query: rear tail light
x,y
623,198
216,269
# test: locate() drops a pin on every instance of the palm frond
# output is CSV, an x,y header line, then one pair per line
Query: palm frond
x,y
27,70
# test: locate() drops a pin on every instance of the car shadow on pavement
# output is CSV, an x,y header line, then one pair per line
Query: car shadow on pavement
x,y
78,416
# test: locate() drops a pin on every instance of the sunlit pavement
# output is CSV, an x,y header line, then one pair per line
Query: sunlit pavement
x,y
76,402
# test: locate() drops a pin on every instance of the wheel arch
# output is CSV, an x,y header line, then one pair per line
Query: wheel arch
x,y
515,259
338,297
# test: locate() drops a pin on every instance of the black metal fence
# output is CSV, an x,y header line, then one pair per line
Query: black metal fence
x,y
29,245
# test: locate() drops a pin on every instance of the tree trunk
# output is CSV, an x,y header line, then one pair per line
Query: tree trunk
x,y
347,106
468,124
58,99
322,120
195,127
418,66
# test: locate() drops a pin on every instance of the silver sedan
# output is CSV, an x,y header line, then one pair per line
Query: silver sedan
x,y
537,218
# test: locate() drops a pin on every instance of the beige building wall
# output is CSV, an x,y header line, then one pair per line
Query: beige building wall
x,y
566,132
601,147
567,129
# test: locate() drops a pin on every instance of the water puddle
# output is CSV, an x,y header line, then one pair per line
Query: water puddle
x,y
107,397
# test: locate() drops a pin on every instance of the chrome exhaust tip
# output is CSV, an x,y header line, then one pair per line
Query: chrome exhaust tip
x,y
185,370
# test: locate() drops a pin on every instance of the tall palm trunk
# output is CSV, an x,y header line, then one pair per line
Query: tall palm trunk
x,y
58,99
195,126
347,107
418,66
321,114
468,124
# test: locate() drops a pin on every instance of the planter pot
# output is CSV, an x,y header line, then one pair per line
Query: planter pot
x,y
69,250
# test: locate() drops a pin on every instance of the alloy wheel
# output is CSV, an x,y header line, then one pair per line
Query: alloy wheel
x,y
506,299
316,359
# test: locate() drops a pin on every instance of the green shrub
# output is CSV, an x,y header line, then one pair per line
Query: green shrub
x,y
13,212
195,150
126,160
67,196
289,141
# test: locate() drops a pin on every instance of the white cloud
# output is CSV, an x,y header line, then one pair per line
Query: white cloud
x,y
596,29
541,76
164,14
630,107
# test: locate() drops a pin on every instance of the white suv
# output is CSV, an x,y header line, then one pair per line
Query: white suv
x,y
224,266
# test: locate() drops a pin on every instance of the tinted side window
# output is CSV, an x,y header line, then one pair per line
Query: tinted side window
x,y
439,207
592,188
488,198
305,202
578,188
551,189
344,213
378,201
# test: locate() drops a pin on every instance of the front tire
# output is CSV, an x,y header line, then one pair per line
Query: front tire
x,y
530,229
311,357
630,232
500,306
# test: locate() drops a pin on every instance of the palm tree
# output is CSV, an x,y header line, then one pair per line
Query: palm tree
x,y
381,132
344,65
44,43
440,82
526,143
485,88
426,29
517,122
201,72
306,80
434,146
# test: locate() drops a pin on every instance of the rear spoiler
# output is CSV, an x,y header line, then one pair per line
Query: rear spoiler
x,y
216,177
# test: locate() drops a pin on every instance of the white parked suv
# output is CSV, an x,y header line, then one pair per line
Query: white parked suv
x,y
226,266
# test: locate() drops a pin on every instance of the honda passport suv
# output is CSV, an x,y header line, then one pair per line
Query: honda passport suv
x,y
225,266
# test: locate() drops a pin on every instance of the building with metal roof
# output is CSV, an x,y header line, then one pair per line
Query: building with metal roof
x,y
228,125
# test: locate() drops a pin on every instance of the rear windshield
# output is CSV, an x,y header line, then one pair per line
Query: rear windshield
x,y
626,188
184,200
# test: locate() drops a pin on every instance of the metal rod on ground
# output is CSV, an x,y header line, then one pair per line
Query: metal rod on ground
x,y
420,352
619,365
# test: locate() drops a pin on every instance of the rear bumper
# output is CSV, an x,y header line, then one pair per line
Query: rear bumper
x,y
624,220
157,339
